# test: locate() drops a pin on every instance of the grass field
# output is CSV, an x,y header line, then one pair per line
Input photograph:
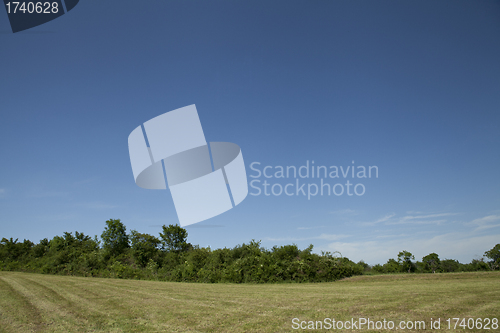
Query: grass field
x,y
47,303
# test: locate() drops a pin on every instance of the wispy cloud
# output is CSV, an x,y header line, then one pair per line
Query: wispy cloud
x,y
329,237
402,221
391,236
285,239
382,219
419,217
203,226
454,245
385,218
392,219
486,219
332,237
422,232
3,192
486,222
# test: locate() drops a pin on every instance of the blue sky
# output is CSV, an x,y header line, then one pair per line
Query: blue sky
x,y
410,87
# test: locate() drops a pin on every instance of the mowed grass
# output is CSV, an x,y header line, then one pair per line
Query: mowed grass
x,y
48,303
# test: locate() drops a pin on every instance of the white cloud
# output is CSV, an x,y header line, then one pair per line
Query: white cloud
x,y
401,221
413,212
385,218
3,192
419,217
489,226
486,219
285,239
329,237
392,236
458,245
485,222
391,219
382,219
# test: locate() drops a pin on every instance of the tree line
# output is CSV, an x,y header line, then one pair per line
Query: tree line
x,y
431,263
169,257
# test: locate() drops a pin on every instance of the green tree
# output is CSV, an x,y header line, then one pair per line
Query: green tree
x,y
11,249
494,255
405,260
363,266
114,237
144,247
391,266
173,238
431,262
476,265
450,265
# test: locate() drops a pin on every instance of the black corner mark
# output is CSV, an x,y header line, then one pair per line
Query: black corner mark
x,y
28,14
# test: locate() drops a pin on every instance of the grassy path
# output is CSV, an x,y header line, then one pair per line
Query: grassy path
x,y
46,303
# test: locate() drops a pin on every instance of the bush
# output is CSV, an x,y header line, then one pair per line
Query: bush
x,y
171,258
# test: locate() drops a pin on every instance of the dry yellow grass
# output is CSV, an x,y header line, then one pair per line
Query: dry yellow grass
x,y
46,303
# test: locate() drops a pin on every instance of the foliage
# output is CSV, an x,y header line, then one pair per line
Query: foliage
x,y
144,247
170,258
494,255
114,237
431,262
405,261
363,266
450,265
392,266
476,265
174,238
